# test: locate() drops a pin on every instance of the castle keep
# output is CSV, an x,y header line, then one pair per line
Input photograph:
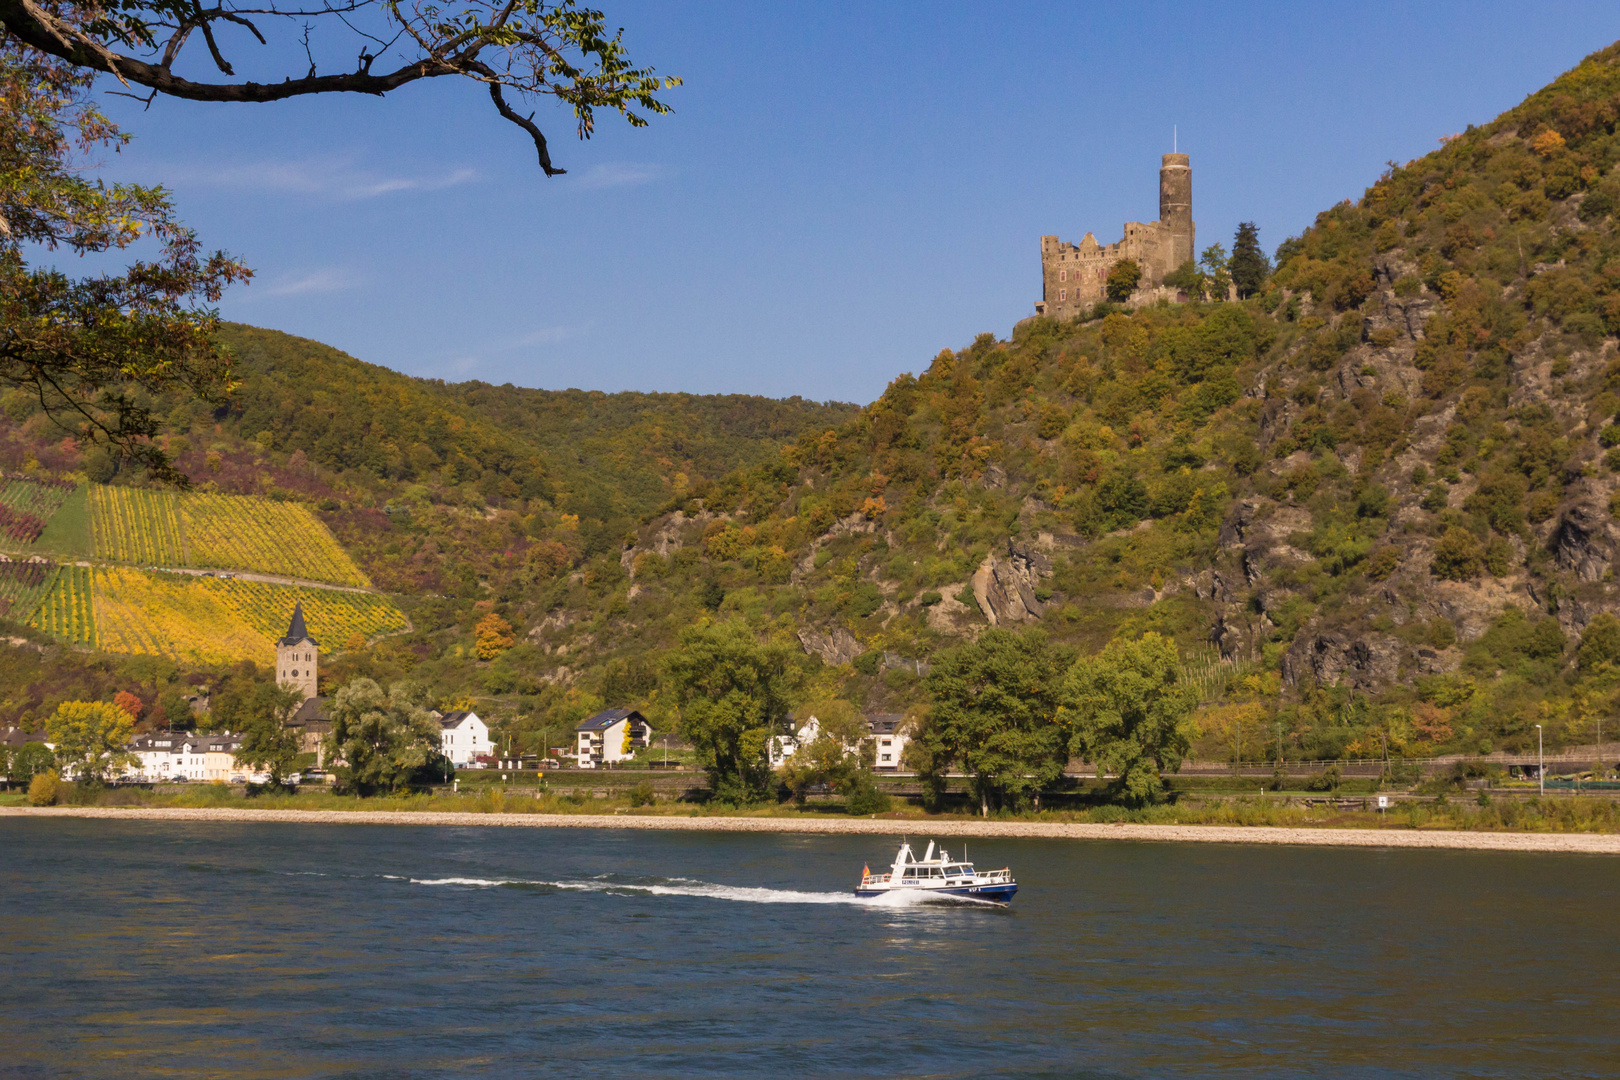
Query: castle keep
x,y
1073,275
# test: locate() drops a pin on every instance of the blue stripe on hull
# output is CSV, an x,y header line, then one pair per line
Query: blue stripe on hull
x,y
977,892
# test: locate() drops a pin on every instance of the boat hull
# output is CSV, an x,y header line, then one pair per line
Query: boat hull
x,y
1000,892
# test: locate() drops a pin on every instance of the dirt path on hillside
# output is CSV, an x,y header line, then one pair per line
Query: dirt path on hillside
x,y
1583,843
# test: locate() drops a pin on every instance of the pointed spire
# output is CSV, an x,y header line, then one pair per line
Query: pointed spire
x,y
296,631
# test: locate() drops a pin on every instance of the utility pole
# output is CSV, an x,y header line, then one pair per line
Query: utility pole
x,y
1541,762
1279,744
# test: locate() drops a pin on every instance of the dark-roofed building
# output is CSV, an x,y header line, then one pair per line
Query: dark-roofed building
x,y
611,736
888,732
298,657
464,737
311,722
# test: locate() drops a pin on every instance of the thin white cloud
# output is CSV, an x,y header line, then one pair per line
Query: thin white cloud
x,y
615,174
330,179
316,281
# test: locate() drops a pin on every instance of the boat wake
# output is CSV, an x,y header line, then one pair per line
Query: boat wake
x,y
626,886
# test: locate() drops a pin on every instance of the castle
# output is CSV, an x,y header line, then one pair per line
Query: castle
x,y
1073,276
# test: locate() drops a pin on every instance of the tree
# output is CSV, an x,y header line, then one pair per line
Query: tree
x,y
1216,274
994,715
1122,279
268,744
1188,279
1457,556
380,740
90,737
558,50
732,690
1249,266
1600,641
95,352
31,759
494,636
1129,714
835,756
129,703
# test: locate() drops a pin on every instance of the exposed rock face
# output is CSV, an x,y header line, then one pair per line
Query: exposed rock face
x,y
834,645
1583,542
1231,639
1331,657
1005,587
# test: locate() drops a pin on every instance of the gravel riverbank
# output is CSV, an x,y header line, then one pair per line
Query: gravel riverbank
x,y
1589,843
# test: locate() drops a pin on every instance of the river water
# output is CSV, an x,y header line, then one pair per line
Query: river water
x,y
222,950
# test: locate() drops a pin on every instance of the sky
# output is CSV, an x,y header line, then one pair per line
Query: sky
x,y
843,190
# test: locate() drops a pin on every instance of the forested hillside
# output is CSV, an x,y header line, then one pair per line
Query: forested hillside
x,y
1373,503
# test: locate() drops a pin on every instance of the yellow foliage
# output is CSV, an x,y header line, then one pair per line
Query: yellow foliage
x,y
1548,143
494,636
242,532
45,789
214,620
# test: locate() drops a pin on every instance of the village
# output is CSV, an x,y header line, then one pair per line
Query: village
x,y
610,738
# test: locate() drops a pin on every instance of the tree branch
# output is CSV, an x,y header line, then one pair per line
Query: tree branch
x,y
527,124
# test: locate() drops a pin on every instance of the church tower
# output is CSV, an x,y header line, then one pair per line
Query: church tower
x,y
298,657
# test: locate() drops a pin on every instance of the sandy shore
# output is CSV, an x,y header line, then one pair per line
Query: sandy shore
x,y
1588,843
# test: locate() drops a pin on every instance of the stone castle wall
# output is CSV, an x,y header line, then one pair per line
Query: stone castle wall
x,y
1073,276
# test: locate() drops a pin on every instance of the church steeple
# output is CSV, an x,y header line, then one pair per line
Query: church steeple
x,y
296,632
298,657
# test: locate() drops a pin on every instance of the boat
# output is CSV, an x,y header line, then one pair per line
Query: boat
x,y
943,875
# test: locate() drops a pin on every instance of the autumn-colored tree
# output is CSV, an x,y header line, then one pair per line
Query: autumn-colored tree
x,y
1122,280
129,703
89,737
494,636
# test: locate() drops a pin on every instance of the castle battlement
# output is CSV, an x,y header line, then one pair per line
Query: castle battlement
x,y
1074,276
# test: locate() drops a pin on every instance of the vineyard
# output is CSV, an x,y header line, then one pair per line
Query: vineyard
x,y
21,584
133,525
65,609
214,620
242,532
26,505
223,532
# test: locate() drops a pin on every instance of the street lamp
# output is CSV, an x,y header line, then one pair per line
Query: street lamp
x,y
1541,762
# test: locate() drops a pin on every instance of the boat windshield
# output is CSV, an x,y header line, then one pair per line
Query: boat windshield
x,y
959,870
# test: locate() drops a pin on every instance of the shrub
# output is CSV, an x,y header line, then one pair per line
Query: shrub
x,y
45,789
862,796
642,794
1458,556
1383,562
929,599
868,662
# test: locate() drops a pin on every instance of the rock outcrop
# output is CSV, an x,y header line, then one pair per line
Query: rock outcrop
x,y
834,644
1005,587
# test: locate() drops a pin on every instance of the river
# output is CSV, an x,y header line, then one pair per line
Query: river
x,y
224,950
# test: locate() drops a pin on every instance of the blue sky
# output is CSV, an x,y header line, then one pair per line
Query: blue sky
x,y
844,189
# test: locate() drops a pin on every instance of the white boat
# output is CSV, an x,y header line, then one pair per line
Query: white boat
x,y
929,875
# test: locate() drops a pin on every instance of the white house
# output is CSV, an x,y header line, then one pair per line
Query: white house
x,y
610,736
464,738
885,730
164,755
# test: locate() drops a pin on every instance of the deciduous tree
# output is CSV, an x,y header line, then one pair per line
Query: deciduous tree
x,y
268,744
1122,279
733,690
380,740
1129,714
89,737
994,716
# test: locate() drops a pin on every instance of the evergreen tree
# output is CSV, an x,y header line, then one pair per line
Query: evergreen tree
x,y
1248,266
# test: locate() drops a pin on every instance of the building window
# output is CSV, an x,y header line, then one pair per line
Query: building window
x,y
1063,275
1063,294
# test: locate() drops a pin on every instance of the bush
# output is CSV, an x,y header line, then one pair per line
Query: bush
x,y
642,794
868,662
929,599
1328,779
45,789
863,797
1458,556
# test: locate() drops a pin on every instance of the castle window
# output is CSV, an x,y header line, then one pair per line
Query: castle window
x,y
1063,294
1063,275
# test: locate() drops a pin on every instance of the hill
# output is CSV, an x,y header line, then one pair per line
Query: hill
x,y
1373,503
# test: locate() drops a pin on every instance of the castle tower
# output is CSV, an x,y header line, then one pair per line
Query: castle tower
x,y
298,657
1175,206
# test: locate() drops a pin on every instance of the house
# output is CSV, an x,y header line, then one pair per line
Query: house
x,y
311,722
610,736
888,731
164,755
463,737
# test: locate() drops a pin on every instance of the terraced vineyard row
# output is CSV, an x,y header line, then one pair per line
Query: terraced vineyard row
x,y
134,525
66,607
212,620
243,532
21,585
224,532
26,505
